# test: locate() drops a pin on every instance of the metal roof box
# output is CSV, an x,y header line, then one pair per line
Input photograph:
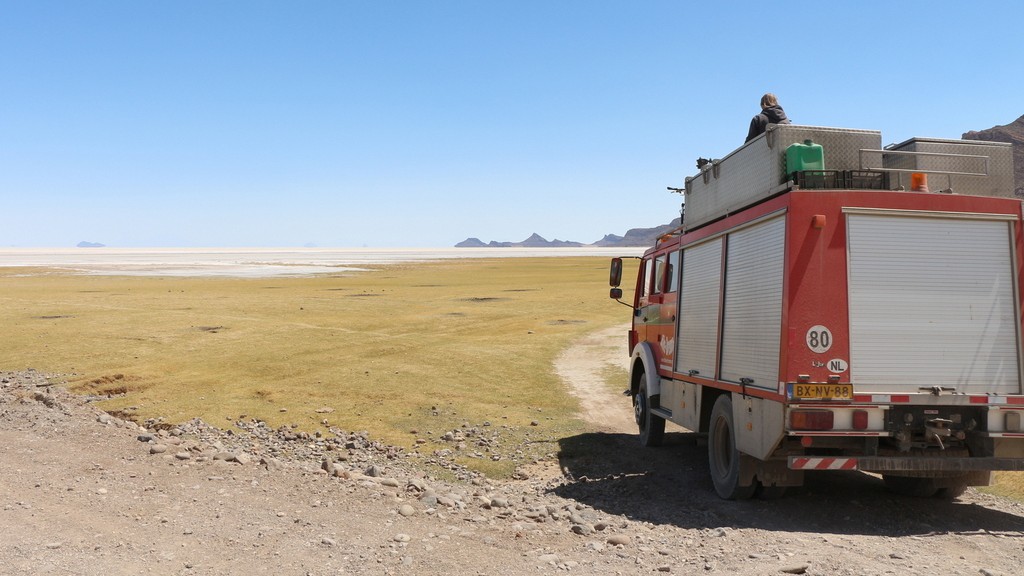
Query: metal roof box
x,y
757,170
970,167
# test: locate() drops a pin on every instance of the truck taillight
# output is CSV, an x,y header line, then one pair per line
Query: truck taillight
x,y
1012,423
860,419
811,419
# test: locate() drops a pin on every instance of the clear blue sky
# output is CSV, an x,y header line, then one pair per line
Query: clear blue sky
x,y
420,123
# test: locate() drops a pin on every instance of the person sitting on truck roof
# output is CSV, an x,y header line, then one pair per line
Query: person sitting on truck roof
x,y
771,113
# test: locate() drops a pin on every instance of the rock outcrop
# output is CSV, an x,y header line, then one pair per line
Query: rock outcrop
x,y
1012,133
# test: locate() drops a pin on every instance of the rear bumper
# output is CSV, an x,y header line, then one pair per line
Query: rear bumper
x,y
904,464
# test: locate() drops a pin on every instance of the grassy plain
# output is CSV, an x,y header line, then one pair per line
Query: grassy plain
x,y
424,347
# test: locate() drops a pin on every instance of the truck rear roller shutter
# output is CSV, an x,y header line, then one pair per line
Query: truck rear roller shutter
x,y
932,303
752,320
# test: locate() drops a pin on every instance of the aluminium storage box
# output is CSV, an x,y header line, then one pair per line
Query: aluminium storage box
x,y
754,172
970,167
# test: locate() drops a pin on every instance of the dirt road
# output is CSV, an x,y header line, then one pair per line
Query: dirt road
x,y
84,493
581,367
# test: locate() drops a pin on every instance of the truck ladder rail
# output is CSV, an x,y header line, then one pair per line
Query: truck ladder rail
x,y
883,152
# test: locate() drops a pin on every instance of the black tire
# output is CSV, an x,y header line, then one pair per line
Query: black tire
x,y
652,427
723,457
910,486
953,488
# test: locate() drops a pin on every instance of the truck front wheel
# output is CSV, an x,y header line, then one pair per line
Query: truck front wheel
x,y
652,428
723,457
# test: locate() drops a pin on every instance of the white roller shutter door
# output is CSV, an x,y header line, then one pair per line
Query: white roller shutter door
x,y
698,309
932,303
752,322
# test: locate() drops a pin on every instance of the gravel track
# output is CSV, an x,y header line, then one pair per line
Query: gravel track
x,y
82,492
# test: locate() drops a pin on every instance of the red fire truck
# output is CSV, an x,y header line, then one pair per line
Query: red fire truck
x,y
859,311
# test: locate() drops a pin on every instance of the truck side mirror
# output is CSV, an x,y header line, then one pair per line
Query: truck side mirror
x,y
615,293
615,275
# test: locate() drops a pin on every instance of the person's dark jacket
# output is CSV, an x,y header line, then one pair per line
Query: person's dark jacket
x,y
770,115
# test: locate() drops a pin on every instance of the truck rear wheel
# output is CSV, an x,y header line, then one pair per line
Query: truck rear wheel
x,y
951,492
723,457
910,486
948,489
652,428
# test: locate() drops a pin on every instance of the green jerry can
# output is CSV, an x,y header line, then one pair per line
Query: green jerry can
x,y
806,156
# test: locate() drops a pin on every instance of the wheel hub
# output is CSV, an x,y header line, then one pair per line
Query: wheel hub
x,y
639,409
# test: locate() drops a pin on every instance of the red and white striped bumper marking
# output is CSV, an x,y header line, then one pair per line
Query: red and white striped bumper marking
x,y
998,400
882,398
905,398
804,463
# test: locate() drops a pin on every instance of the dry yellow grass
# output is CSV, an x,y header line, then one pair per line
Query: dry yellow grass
x,y
423,346
1009,484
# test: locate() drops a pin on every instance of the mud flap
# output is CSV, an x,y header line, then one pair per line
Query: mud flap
x,y
748,470
777,473
768,472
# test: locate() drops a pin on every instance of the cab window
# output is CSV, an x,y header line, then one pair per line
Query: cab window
x,y
645,281
673,271
660,264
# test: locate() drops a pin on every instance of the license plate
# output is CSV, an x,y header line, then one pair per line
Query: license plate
x,y
822,392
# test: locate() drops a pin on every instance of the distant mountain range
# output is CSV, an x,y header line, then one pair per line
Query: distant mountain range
x,y
633,237
1012,133
84,244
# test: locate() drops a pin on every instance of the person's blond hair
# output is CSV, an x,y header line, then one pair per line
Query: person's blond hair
x,y
769,100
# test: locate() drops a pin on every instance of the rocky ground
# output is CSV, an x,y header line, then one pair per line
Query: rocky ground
x,y
82,492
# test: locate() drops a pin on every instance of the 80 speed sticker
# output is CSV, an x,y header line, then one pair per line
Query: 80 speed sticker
x,y
819,339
